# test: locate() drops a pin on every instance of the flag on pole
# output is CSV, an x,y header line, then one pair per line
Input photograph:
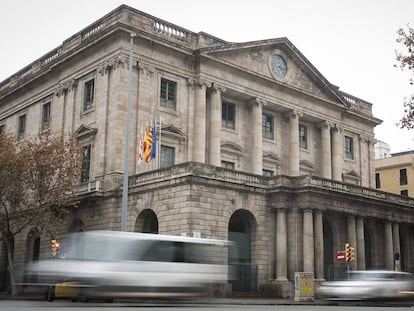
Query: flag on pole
x,y
141,145
154,141
147,145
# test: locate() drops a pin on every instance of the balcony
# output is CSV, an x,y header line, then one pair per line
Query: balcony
x,y
237,179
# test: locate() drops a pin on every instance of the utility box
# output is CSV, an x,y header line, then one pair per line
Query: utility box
x,y
304,286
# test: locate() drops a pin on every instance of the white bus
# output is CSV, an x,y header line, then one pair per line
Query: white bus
x,y
124,264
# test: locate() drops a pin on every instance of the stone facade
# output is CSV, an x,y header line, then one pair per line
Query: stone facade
x,y
299,178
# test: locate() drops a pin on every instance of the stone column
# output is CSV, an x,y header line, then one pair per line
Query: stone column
x,y
337,153
396,237
281,246
308,241
360,250
200,122
215,125
319,252
388,247
257,149
294,143
351,238
326,149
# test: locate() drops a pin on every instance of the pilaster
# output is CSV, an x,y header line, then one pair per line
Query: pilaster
x,y
200,121
215,124
337,152
326,149
294,142
257,141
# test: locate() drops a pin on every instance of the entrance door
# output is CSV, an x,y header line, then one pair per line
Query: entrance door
x,y
240,255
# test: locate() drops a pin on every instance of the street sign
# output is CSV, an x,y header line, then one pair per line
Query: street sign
x,y
340,256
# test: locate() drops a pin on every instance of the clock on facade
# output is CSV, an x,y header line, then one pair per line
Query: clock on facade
x,y
278,65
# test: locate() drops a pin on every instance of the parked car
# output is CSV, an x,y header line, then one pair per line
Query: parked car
x,y
369,284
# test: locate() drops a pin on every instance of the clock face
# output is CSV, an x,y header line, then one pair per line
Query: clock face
x,y
278,65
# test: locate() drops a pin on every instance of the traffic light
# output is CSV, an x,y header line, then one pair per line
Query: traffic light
x,y
54,247
347,251
352,254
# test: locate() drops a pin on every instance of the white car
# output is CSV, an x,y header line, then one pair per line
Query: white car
x,y
370,284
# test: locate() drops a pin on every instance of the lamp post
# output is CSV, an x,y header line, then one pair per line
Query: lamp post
x,y
124,210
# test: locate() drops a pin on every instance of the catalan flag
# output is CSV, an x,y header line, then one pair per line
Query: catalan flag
x,y
147,145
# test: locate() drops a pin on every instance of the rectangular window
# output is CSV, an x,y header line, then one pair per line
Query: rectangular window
x,y
267,173
167,156
403,176
46,116
349,147
377,180
88,96
303,136
227,164
404,193
168,94
228,115
21,127
267,126
86,163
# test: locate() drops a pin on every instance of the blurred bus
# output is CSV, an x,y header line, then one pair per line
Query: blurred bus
x,y
124,264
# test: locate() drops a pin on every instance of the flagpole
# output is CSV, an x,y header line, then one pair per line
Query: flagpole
x,y
124,209
159,146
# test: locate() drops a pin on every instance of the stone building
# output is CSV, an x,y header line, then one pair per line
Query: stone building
x,y
256,146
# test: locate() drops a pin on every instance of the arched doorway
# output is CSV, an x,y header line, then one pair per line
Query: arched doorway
x,y
147,222
241,231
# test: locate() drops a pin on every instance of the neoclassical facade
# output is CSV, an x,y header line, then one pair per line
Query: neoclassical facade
x,y
254,146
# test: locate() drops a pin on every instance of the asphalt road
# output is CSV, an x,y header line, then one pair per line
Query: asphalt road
x,y
240,305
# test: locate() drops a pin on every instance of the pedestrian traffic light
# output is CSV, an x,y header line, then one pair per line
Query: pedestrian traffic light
x,y
54,247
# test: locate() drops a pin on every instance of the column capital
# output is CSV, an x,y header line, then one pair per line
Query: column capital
x,y
66,87
338,127
294,114
201,83
145,68
105,67
258,101
218,88
325,124
364,138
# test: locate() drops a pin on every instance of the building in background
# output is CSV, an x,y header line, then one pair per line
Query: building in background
x,y
396,173
255,145
382,150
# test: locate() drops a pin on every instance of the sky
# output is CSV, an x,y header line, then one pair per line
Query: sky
x,y
352,43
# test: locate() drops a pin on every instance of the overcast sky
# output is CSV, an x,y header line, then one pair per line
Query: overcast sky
x,y
352,43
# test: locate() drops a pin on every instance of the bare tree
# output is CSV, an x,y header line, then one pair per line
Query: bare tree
x,y
38,178
405,58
